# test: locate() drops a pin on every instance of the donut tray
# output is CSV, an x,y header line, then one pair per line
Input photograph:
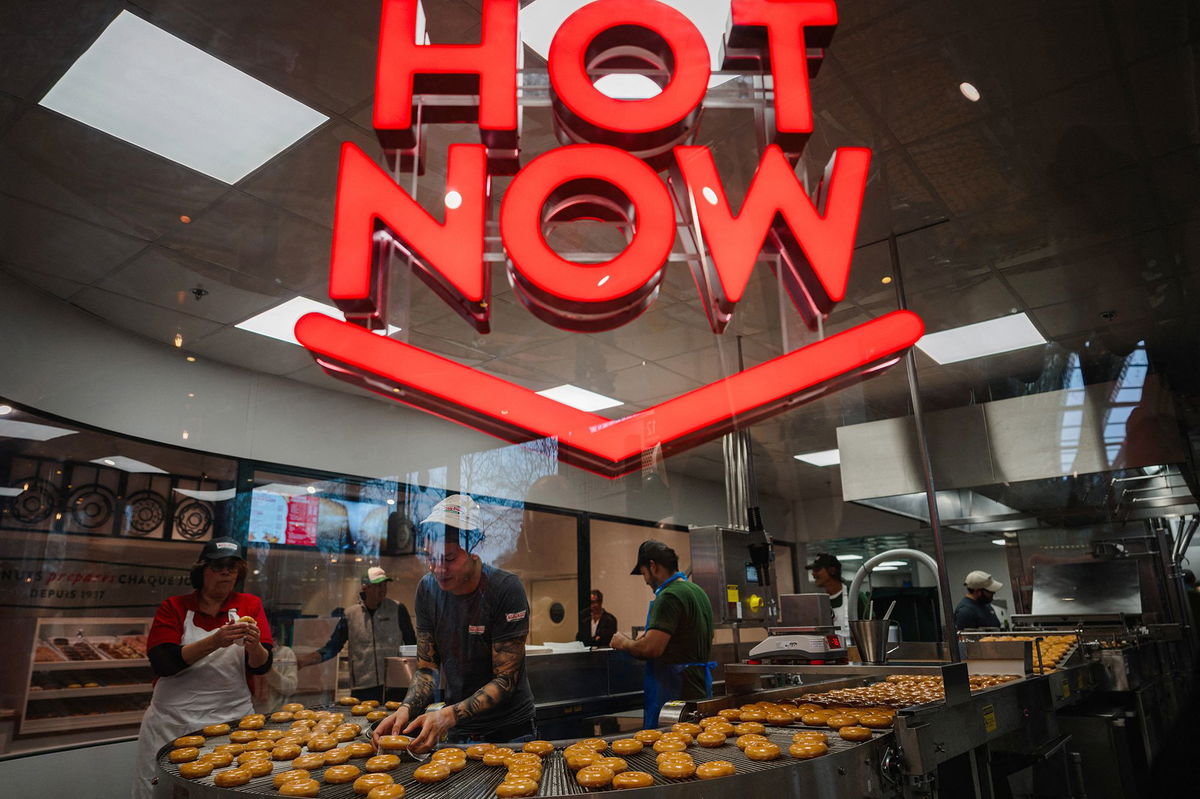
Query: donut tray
x,y
478,781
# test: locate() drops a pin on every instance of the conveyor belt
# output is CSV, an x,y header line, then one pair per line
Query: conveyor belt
x,y
478,781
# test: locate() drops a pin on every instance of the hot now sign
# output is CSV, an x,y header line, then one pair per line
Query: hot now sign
x,y
628,162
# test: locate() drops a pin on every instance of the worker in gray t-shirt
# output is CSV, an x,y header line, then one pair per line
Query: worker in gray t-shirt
x,y
472,625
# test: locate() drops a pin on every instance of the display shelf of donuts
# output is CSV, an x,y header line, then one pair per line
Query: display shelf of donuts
x,y
86,673
300,751
1050,652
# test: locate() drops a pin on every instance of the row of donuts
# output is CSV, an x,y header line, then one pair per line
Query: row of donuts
x,y
809,714
898,691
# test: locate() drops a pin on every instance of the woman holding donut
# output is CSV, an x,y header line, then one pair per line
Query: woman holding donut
x,y
203,647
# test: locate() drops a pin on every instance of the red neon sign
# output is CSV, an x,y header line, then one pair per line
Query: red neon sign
x,y
612,173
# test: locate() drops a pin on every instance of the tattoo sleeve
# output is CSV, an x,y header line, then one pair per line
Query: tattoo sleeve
x,y
507,659
420,690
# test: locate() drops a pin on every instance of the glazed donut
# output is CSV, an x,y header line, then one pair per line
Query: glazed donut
x,y
780,719
614,764
259,746
370,702
855,733
231,777
807,749
711,739
377,715
258,768
303,724
287,776
281,715
704,722
336,775
218,759
185,755
455,764
213,730
599,744
810,736
594,776
432,771
381,763
528,758
270,735
877,721
394,742
665,756
532,771
195,770
247,757
677,736
676,768
366,782
837,722
322,743
539,748
669,745
393,791
305,786
516,786
714,769
190,740
359,749
448,752
753,715
762,751
816,718
286,752
496,756
292,707
392,705
807,708
627,746
688,728
348,700
632,779
336,757
751,738
477,751
730,714
243,736
250,723
306,714
577,759
647,736
360,710
347,733
722,726
750,728
309,761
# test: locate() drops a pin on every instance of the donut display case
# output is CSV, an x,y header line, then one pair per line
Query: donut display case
x,y
86,673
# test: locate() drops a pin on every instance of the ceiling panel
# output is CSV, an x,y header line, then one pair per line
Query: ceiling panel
x,y
151,321
40,40
251,351
58,244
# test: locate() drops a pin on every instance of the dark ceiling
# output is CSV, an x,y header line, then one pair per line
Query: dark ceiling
x,y
1069,191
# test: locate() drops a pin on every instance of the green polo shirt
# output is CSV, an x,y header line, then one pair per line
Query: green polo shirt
x,y
682,611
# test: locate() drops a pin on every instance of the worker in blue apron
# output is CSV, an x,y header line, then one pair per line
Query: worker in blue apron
x,y
678,636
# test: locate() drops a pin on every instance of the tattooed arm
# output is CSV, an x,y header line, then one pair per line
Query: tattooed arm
x,y
420,690
507,659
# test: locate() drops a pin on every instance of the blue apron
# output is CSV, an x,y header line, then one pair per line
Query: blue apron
x,y
664,681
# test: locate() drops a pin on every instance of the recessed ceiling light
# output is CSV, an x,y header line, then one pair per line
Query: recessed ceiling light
x,y
190,359
142,85
885,568
580,398
11,428
1004,334
826,457
542,18
999,542
5,410
886,280
178,340
279,322
185,219
849,557
311,489
129,465
969,91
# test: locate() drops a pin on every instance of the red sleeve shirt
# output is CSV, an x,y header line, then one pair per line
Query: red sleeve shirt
x,y
168,620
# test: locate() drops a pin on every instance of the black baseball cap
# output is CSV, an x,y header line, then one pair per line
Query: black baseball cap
x,y
648,551
219,548
824,561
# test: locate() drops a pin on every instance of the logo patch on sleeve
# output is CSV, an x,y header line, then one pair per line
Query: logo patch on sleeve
x,y
476,629
515,616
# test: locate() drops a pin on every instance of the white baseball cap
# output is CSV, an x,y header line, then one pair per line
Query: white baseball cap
x,y
977,580
458,511
375,575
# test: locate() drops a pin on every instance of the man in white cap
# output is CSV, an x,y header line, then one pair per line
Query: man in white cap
x,y
472,624
975,610
375,628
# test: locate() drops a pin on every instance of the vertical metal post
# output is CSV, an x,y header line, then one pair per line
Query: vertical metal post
x,y
935,522
583,569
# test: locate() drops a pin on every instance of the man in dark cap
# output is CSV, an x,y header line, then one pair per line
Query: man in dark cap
x,y
678,636
827,574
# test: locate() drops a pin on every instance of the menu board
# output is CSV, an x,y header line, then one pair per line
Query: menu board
x,y
303,513
268,518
